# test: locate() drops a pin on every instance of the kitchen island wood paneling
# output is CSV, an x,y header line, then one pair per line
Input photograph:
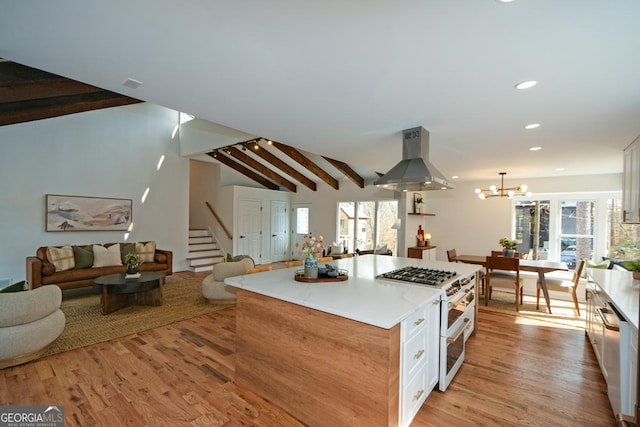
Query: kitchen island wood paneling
x,y
323,369
329,353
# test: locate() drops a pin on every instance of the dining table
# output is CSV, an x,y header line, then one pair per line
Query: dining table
x,y
540,266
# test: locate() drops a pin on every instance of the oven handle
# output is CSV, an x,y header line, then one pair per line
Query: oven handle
x,y
460,331
605,319
460,296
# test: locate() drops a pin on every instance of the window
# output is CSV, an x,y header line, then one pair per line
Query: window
x,y
623,238
365,225
576,231
302,220
566,228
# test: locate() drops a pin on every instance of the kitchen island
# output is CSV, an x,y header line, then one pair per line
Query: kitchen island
x,y
340,353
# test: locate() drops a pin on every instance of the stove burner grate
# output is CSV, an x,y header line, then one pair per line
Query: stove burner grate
x,y
419,275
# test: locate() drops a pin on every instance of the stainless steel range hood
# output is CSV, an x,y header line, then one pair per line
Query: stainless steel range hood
x,y
414,172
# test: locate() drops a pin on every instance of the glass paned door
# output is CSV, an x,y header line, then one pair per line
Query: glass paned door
x,y
576,231
532,228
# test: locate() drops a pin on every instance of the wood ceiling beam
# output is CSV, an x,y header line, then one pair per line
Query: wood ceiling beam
x,y
244,158
28,94
277,162
222,158
307,163
48,88
346,169
38,109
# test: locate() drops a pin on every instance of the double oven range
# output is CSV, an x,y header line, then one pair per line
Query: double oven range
x,y
457,312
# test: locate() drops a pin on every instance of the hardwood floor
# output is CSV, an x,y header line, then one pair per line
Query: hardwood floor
x,y
515,374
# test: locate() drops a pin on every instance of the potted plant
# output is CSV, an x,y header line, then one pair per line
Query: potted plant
x,y
633,266
133,261
417,202
509,247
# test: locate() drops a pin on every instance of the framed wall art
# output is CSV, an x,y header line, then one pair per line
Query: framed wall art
x,y
79,213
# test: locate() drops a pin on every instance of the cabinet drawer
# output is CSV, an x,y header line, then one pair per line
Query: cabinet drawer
x,y
413,324
413,395
414,354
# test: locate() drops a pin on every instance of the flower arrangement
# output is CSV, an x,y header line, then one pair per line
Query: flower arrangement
x,y
508,244
312,246
133,259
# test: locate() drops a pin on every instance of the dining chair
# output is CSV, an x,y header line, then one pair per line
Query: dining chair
x,y
503,273
563,285
451,255
294,263
325,259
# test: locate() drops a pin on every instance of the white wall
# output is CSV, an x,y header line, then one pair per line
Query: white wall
x,y
474,226
112,152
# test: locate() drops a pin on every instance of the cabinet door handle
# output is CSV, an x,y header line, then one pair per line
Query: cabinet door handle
x,y
418,355
419,321
418,395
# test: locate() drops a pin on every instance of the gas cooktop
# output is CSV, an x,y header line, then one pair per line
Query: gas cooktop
x,y
419,275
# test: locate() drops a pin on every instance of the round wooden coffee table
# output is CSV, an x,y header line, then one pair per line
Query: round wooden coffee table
x,y
118,291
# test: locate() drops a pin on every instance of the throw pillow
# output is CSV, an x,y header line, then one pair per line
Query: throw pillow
x,y
62,258
592,264
160,258
106,257
336,249
125,249
147,251
83,256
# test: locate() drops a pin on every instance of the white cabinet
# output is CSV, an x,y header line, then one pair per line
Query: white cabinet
x,y
631,183
595,325
418,358
628,369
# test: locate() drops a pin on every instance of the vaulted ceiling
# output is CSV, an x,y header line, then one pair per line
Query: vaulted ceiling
x,y
343,79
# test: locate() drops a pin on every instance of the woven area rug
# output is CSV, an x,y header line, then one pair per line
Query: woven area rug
x,y
86,325
563,311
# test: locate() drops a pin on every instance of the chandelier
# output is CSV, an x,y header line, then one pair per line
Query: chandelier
x,y
493,191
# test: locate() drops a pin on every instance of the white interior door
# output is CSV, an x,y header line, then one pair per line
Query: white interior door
x,y
279,230
249,229
300,220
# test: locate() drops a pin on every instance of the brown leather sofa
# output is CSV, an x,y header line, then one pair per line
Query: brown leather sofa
x,y
41,272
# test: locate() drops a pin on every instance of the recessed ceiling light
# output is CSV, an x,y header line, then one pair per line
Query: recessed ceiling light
x,y
526,84
559,169
532,126
504,1
535,148
455,177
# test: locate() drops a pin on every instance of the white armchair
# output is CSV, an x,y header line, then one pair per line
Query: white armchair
x,y
213,286
29,322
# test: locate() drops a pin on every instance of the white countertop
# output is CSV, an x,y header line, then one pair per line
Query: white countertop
x,y
362,297
620,287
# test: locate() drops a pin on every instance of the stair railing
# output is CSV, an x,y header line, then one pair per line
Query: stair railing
x,y
215,215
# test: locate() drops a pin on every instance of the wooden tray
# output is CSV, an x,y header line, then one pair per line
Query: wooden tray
x,y
342,276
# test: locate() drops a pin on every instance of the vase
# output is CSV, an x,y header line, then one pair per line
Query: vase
x,y
132,268
508,253
311,267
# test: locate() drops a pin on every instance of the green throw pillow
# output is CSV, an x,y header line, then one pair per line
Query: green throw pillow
x,y
18,287
127,248
592,264
83,256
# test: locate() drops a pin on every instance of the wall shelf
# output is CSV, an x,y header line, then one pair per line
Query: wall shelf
x,y
421,214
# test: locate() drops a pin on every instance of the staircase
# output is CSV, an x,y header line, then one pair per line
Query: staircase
x,y
204,252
